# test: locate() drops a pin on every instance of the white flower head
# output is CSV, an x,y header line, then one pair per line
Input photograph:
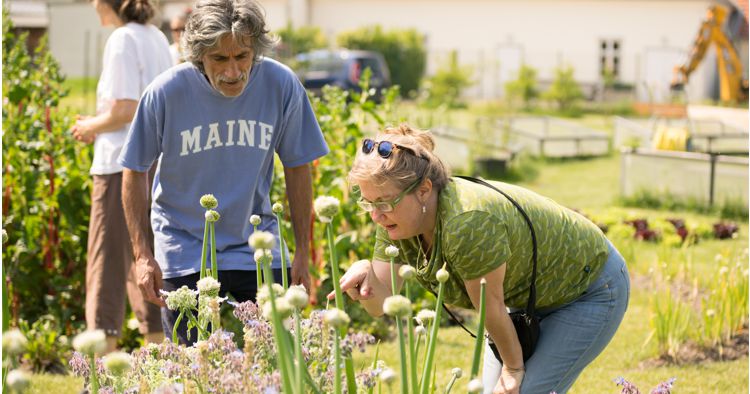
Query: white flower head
x,y
420,330
277,208
262,240
407,272
388,376
442,275
212,216
14,342
326,207
723,270
457,372
283,309
425,315
336,318
18,380
475,386
118,363
133,324
262,296
208,201
90,342
397,306
254,220
391,251
263,256
181,299
5,236
710,312
297,296
209,286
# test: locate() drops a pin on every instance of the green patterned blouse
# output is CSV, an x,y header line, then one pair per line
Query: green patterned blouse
x,y
478,229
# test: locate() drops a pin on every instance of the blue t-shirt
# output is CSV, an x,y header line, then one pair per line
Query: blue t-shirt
x,y
208,143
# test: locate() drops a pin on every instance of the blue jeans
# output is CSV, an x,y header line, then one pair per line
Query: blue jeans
x,y
242,285
573,335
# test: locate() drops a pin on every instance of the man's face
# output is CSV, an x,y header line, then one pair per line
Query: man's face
x,y
177,26
228,65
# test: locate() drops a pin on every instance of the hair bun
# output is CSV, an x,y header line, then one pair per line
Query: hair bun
x,y
423,138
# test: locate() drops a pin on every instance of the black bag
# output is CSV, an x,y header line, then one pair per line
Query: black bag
x,y
525,322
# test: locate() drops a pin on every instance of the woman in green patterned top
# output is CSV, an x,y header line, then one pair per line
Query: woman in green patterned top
x,y
582,281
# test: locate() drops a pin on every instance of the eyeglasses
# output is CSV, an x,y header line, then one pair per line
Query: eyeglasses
x,y
178,29
386,206
384,148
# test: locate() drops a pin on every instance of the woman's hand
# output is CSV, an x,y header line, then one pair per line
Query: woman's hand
x,y
356,282
510,381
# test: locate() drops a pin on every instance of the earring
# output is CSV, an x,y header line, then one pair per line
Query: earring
x,y
424,209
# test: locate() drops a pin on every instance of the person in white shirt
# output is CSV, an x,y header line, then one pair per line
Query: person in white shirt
x,y
135,53
177,26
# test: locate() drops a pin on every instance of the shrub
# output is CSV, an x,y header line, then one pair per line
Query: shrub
x,y
564,90
445,87
524,87
46,194
300,40
403,51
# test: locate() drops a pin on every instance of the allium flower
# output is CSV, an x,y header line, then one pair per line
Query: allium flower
x,y
407,272
297,296
262,296
14,342
18,380
457,372
90,342
261,254
283,308
208,201
425,315
326,207
181,299
277,208
397,306
118,363
133,324
387,376
208,286
420,330
475,386
262,240
391,251
5,236
212,216
254,220
442,275
336,318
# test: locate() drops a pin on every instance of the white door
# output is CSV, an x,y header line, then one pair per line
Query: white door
x,y
657,72
509,60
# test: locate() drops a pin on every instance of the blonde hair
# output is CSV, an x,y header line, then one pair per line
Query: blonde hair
x,y
402,168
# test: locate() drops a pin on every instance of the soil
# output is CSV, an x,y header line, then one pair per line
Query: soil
x,y
692,353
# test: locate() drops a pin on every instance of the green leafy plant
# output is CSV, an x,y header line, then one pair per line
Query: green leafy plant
x,y
299,40
564,91
524,88
445,87
403,50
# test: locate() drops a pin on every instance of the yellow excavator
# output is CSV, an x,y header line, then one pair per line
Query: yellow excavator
x,y
732,88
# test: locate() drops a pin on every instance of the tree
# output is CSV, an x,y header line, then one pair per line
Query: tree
x,y
564,90
524,87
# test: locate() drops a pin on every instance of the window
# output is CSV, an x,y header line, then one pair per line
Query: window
x,y
609,58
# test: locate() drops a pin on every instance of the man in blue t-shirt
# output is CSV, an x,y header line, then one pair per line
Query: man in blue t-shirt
x,y
214,124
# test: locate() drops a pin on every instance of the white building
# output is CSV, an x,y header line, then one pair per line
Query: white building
x,y
642,39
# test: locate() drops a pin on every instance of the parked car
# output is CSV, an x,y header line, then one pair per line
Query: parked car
x,y
342,68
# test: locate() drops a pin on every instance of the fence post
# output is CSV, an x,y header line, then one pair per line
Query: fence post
x,y
712,179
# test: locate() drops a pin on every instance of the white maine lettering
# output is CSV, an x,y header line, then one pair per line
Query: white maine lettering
x,y
218,138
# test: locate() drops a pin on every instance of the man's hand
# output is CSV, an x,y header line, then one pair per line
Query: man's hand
x,y
82,131
301,270
149,280
510,381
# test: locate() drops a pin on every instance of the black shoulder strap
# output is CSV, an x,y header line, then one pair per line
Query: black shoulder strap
x,y
531,305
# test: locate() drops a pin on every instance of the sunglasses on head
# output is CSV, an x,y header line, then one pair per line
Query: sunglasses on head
x,y
384,148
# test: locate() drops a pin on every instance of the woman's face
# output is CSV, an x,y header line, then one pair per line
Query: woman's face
x,y
107,16
405,220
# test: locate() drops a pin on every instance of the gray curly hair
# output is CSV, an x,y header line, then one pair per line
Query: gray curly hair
x,y
212,19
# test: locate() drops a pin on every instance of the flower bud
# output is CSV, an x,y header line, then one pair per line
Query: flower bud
x,y
14,342
425,316
212,216
475,386
117,363
18,380
277,208
391,251
262,240
283,309
5,236
457,372
262,256
208,286
208,201
326,207
420,330
254,220
297,296
388,376
90,342
407,272
397,306
442,275
336,318
181,299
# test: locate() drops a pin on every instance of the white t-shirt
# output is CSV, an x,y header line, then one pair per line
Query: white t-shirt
x,y
174,51
133,56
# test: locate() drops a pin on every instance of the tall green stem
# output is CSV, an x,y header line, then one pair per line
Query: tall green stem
x,y
214,264
412,346
480,330
337,376
298,350
93,372
402,348
282,250
432,344
283,352
204,251
351,385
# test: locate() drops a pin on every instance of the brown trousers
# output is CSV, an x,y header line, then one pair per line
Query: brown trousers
x,y
110,272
